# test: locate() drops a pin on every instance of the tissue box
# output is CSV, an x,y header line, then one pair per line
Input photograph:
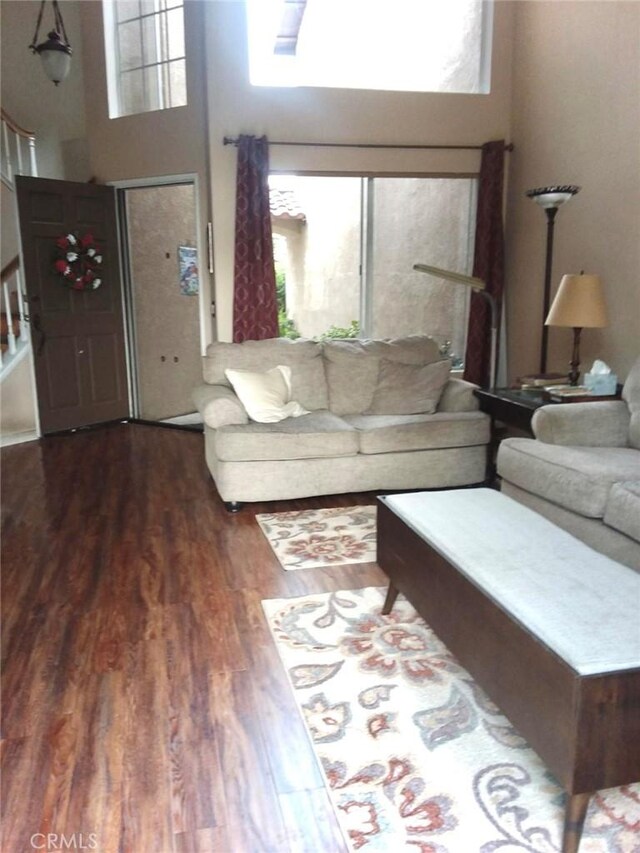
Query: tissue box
x,y
601,384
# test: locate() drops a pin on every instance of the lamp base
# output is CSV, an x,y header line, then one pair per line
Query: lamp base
x,y
574,373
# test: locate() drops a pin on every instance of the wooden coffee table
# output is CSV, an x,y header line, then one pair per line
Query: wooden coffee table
x,y
507,592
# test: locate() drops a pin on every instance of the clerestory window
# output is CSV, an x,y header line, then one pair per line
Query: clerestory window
x,y
145,53
395,45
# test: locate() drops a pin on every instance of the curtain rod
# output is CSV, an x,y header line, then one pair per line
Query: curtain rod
x,y
233,140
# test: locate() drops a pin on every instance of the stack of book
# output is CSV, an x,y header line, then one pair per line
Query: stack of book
x,y
566,393
542,380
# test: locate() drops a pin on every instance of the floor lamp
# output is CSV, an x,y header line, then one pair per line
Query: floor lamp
x,y
479,286
549,198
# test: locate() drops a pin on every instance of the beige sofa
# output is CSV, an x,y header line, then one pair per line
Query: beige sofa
x,y
582,470
339,446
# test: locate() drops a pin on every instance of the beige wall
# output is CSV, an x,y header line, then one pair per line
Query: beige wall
x,y
17,412
576,98
153,144
338,115
55,113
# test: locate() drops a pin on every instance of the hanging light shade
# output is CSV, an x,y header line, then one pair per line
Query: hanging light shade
x,y
55,52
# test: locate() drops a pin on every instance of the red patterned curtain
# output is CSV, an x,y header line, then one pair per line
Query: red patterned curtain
x,y
488,261
255,310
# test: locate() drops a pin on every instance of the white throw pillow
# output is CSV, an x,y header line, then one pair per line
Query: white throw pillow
x,y
266,396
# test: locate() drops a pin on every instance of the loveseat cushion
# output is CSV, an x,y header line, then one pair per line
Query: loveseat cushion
x,y
623,509
316,435
352,367
577,478
308,382
389,433
409,389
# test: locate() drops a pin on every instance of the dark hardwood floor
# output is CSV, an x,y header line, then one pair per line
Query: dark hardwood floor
x,y
144,706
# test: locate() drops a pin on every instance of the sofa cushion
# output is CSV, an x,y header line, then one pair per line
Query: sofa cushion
x,y
631,395
389,433
316,435
266,396
308,383
578,478
623,509
409,389
352,367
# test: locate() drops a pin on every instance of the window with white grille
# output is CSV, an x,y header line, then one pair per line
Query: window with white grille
x,y
145,52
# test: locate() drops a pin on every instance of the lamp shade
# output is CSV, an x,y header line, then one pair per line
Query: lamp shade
x,y
579,303
552,196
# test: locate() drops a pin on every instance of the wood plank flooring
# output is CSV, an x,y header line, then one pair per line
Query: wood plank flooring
x,y
144,707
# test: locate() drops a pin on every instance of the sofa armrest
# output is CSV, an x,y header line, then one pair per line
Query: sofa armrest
x,y
458,396
597,424
219,406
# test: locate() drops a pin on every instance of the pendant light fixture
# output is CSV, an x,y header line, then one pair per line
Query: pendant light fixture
x,y
55,52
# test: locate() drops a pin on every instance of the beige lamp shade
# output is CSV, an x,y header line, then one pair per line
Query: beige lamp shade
x,y
579,303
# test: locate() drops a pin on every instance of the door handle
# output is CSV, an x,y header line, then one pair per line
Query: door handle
x,y
37,327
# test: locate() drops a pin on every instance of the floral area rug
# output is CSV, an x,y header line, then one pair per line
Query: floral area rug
x,y
311,538
415,755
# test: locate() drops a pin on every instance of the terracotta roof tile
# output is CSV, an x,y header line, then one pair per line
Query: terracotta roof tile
x,y
284,205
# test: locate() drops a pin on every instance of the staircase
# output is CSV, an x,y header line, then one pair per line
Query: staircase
x,y
14,328
17,387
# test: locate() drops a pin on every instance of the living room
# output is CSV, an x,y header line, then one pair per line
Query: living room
x,y
145,700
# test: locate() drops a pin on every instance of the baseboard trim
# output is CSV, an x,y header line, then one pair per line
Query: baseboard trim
x,y
18,438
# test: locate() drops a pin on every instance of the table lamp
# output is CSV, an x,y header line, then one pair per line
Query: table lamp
x,y
578,304
479,286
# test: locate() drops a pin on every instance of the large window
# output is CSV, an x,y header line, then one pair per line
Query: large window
x,y
399,45
145,53
345,249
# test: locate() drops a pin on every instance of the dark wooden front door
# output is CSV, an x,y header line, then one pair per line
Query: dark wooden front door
x,y
78,336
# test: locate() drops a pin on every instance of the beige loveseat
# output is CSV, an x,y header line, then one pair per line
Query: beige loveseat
x,y
339,446
582,470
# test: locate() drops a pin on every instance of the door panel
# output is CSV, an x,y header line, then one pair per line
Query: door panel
x,y
78,336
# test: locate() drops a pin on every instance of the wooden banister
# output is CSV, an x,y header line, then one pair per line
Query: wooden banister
x,y
15,127
10,268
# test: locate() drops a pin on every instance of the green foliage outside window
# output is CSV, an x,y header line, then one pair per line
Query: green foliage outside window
x,y
287,325
339,332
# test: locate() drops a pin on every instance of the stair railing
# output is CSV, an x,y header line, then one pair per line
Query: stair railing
x,y
13,309
18,150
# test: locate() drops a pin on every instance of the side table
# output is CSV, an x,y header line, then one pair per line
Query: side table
x,y
510,406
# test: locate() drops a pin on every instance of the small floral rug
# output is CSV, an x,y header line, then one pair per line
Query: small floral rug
x,y
415,755
311,538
